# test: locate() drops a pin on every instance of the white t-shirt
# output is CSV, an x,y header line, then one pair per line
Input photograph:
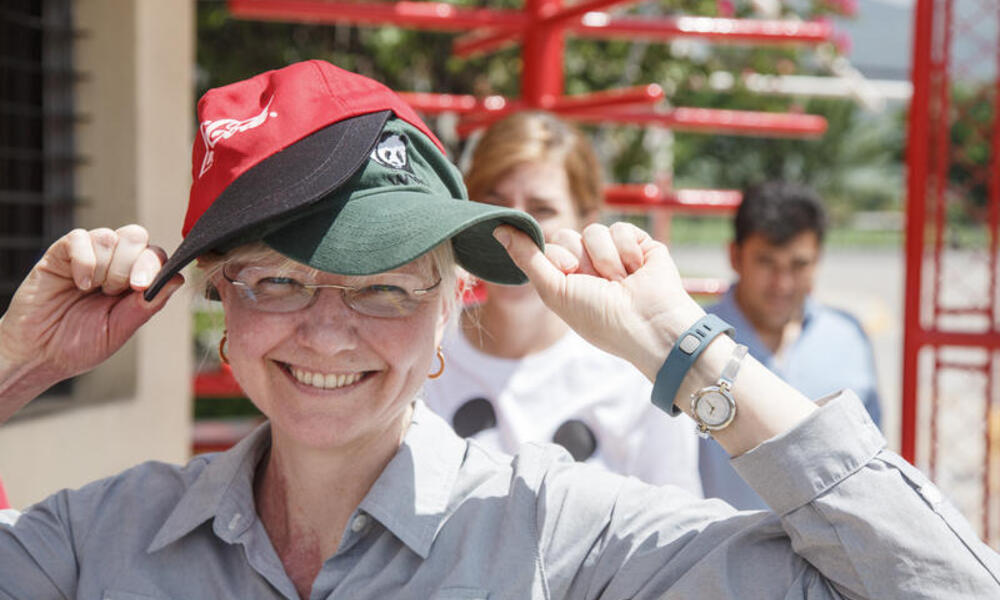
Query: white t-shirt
x,y
595,404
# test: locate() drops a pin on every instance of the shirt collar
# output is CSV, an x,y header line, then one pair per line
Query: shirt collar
x,y
809,310
412,496
223,490
730,311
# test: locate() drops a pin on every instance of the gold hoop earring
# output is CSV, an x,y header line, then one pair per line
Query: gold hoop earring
x,y
436,374
222,349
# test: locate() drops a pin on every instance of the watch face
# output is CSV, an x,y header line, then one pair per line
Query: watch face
x,y
713,408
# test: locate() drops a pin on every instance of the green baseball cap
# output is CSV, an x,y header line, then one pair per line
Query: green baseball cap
x,y
404,200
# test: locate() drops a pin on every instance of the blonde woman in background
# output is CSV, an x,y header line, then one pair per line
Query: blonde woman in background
x,y
516,372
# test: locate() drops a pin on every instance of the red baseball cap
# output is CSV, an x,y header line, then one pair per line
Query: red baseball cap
x,y
277,144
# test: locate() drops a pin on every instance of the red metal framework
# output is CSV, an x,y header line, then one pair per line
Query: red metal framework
x,y
541,27
951,354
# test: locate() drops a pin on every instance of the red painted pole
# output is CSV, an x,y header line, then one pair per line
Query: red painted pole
x,y
993,300
916,211
542,58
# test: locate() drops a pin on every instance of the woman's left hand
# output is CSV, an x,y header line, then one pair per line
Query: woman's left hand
x,y
616,286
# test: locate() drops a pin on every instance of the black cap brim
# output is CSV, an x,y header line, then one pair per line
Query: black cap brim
x,y
284,183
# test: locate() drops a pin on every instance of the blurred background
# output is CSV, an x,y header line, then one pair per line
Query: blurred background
x,y
886,107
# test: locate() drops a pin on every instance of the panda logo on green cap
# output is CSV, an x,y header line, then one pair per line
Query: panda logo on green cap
x,y
391,151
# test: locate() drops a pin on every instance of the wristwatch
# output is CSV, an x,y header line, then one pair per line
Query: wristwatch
x,y
713,407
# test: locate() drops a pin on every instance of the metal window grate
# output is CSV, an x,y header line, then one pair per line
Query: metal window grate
x,y
36,133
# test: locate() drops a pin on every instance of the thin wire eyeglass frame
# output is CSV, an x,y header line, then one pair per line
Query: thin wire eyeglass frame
x,y
309,295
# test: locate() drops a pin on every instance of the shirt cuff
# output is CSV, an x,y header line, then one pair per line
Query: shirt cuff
x,y
791,469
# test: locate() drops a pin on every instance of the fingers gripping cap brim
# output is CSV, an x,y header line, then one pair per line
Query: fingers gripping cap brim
x,y
383,231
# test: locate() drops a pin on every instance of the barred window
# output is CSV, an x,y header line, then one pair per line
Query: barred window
x,y
36,133
36,138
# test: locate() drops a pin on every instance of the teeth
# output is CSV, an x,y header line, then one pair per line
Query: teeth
x,y
326,382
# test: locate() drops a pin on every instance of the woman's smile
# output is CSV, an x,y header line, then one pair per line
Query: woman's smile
x,y
324,381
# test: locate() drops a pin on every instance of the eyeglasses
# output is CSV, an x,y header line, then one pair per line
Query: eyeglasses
x,y
274,290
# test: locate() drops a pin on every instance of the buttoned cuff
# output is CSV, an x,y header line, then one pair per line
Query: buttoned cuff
x,y
791,469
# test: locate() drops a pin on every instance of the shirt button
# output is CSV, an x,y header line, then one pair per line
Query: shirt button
x,y
359,523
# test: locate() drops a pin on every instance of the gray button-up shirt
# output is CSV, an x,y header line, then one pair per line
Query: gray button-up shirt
x,y
448,519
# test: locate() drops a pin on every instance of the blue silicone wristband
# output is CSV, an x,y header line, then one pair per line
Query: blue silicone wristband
x,y
688,348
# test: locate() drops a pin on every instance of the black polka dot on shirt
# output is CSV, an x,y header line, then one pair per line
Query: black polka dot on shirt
x,y
474,416
575,436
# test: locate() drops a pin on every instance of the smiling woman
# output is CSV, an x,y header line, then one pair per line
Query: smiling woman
x,y
322,228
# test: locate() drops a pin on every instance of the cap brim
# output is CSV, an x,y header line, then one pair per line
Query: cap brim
x,y
361,237
285,182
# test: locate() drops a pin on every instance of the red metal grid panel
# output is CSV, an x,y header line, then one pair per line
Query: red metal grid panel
x,y
951,355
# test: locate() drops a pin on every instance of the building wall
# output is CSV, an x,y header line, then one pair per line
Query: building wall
x,y
134,138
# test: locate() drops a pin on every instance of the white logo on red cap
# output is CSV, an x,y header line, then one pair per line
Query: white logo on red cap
x,y
223,129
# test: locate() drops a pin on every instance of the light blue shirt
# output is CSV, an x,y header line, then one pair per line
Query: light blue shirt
x,y
449,520
831,353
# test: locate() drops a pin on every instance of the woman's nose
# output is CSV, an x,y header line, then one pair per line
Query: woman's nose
x,y
328,323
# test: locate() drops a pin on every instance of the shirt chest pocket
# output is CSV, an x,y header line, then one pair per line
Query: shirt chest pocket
x,y
461,593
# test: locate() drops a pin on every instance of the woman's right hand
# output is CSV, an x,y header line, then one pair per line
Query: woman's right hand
x,y
615,286
76,307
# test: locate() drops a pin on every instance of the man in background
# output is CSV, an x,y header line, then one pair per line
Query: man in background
x,y
778,237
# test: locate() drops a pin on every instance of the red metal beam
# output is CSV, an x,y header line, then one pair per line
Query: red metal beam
x,y
710,120
740,31
704,120
580,9
580,19
638,95
217,384
476,42
473,43
988,341
494,108
417,15
650,195
457,103
718,30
